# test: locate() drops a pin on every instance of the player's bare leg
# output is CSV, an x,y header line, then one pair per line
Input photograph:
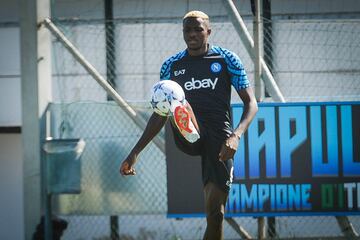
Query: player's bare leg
x,y
215,201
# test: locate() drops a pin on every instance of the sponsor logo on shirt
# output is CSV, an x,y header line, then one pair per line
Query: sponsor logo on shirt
x,y
179,72
197,84
215,67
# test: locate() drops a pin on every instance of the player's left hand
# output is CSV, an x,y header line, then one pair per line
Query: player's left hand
x,y
229,148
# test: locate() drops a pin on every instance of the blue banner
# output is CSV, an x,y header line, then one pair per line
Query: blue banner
x,y
298,159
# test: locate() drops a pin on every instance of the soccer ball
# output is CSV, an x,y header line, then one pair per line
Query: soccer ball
x,y
165,96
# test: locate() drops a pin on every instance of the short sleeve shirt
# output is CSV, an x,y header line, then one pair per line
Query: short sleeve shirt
x,y
206,81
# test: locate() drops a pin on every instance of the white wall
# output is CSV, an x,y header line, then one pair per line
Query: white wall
x,y
10,110
11,177
314,6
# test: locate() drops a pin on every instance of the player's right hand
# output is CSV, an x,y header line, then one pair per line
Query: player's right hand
x,y
127,166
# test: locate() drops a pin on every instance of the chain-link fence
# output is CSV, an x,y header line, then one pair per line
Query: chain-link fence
x,y
139,203
311,60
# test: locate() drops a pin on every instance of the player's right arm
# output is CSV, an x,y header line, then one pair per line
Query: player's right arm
x,y
155,123
153,127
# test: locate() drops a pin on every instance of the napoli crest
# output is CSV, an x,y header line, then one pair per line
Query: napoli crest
x,y
215,67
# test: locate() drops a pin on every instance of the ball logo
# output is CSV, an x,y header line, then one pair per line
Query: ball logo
x,y
215,67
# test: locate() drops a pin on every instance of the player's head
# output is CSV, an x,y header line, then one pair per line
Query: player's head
x,y
196,30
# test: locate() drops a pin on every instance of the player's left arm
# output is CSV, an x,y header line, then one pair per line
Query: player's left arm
x,y
250,109
241,83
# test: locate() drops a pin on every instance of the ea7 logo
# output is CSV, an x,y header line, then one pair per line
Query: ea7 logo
x,y
177,73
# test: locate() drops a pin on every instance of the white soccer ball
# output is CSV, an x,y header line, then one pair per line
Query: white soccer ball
x,y
165,96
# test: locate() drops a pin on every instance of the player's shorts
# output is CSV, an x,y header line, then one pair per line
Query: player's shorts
x,y
208,147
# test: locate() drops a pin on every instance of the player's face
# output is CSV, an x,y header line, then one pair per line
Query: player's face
x,y
196,32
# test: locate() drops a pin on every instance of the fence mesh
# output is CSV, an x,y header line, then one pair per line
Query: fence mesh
x,y
312,60
139,203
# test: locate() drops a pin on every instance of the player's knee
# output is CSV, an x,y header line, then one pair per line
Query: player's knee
x,y
215,219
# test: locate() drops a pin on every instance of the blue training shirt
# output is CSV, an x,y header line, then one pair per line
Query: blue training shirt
x,y
207,82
